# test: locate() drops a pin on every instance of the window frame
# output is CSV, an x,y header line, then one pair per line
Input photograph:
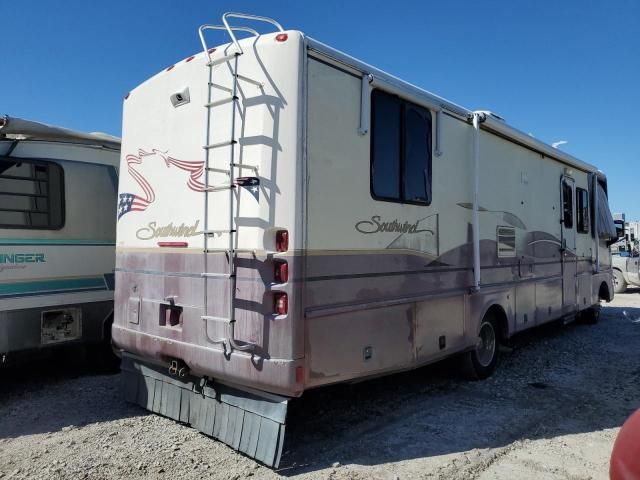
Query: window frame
x,y
581,216
566,184
403,104
48,164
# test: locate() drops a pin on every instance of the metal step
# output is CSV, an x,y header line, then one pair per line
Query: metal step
x,y
249,80
217,275
219,188
241,165
217,319
220,87
224,59
218,170
221,144
222,102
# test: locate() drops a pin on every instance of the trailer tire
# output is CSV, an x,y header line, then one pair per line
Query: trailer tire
x,y
590,316
102,356
481,362
619,283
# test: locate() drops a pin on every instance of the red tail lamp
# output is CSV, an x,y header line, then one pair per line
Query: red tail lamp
x,y
281,271
282,37
173,244
282,241
280,303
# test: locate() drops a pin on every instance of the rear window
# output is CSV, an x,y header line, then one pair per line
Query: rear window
x,y
31,194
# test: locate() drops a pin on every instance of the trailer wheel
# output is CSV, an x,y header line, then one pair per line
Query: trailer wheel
x,y
591,315
619,283
481,362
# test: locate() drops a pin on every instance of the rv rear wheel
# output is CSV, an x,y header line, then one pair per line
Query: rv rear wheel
x,y
619,283
481,362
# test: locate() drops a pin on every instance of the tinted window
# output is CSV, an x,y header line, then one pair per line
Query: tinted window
x,y
582,210
385,164
417,155
400,150
31,194
567,204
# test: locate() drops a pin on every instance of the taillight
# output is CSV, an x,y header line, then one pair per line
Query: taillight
x,y
299,374
280,303
282,37
282,241
281,271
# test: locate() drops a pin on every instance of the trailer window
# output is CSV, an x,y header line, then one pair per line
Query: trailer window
x,y
400,150
582,207
31,194
567,205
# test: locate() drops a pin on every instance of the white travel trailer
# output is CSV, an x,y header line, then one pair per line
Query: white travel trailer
x,y
291,217
57,208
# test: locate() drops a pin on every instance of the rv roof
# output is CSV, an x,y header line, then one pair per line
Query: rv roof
x,y
19,129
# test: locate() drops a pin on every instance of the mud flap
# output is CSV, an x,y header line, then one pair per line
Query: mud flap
x,y
248,421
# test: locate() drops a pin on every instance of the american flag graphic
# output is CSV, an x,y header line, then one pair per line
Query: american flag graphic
x,y
130,202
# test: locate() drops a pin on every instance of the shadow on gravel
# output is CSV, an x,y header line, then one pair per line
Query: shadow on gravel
x,y
553,380
57,392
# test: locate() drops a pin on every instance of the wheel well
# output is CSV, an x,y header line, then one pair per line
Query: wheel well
x,y
499,315
603,293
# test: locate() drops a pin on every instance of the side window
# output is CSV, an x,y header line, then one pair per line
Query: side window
x,y
400,150
567,204
582,210
31,194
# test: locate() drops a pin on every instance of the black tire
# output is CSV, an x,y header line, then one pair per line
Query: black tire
x,y
102,356
619,283
590,316
481,362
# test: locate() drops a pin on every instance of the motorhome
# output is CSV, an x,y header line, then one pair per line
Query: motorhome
x,y
291,217
625,255
58,192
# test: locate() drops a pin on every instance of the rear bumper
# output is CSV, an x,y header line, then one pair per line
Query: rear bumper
x,y
20,330
271,375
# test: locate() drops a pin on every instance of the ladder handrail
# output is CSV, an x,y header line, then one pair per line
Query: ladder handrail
x,y
221,27
230,29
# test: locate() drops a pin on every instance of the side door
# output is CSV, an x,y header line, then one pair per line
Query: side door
x,y
568,248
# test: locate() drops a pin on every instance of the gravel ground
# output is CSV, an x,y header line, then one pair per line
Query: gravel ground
x,y
552,411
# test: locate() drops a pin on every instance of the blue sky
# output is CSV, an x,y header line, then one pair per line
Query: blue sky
x,y
566,70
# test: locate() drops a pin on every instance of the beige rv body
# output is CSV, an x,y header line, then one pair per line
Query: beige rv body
x,y
374,286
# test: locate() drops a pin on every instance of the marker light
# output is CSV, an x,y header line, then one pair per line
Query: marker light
x,y
281,271
173,244
282,37
282,241
280,303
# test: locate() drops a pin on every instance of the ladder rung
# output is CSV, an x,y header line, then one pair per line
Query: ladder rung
x,y
220,60
217,232
220,87
221,144
241,165
219,170
247,79
220,188
222,102
217,319
217,275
